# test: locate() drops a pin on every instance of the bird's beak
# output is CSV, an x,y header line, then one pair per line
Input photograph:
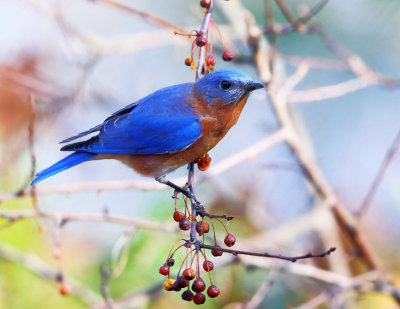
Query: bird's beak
x,y
254,86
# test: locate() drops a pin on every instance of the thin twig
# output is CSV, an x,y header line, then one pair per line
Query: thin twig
x,y
105,291
379,176
270,255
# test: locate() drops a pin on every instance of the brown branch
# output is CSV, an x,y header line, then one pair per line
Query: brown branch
x,y
315,177
270,255
203,213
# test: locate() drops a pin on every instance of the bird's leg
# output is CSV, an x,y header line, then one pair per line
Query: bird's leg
x,y
163,179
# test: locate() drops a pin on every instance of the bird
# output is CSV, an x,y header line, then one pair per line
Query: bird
x,y
165,130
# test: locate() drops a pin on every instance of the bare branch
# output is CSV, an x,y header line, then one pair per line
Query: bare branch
x,y
378,178
270,255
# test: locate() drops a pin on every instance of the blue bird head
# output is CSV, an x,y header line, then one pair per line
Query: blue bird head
x,y
228,85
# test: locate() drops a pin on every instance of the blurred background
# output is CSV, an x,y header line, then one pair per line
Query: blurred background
x,y
83,60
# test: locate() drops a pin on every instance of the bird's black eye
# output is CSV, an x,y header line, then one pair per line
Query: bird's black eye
x,y
225,85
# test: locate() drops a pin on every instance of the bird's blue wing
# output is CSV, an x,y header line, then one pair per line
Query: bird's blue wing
x,y
162,122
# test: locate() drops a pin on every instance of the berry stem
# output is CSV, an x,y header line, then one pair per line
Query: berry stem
x,y
171,255
215,238
223,225
212,22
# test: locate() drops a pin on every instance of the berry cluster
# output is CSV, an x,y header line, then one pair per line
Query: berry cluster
x,y
189,274
202,40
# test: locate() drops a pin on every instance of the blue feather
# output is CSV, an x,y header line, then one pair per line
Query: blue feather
x,y
70,161
162,122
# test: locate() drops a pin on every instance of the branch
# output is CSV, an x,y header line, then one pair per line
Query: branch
x,y
378,178
270,255
105,291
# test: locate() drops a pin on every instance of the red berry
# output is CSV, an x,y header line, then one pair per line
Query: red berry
x,y
164,270
213,291
170,262
205,226
199,228
205,3
204,162
208,265
178,216
187,295
64,289
184,224
210,60
227,55
229,240
182,282
175,286
216,252
198,285
201,41
188,61
189,274
199,298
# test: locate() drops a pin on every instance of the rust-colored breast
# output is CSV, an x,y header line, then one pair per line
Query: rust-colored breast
x,y
216,120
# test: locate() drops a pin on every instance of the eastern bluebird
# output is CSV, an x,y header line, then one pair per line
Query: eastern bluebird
x,y
166,129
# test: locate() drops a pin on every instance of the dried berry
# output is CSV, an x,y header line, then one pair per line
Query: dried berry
x,y
205,3
205,226
199,228
213,291
204,162
210,60
170,262
229,240
187,295
227,55
168,284
189,274
216,252
199,298
201,41
164,270
176,287
184,224
178,216
198,285
188,61
182,281
208,265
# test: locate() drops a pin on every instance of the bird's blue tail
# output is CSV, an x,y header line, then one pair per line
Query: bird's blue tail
x,y
70,161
